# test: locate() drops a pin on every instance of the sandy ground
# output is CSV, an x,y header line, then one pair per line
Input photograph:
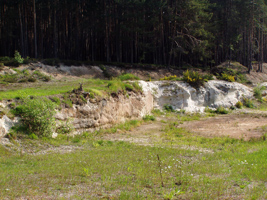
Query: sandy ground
x,y
245,125
239,126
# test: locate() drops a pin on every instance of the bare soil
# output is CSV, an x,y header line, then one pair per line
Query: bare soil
x,y
246,126
238,126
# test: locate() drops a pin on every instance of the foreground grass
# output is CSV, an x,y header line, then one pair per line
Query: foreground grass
x,y
189,167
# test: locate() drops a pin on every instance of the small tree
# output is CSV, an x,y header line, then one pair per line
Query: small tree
x,y
18,57
37,115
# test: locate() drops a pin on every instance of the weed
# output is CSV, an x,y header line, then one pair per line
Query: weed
x,y
221,110
65,128
168,108
56,100
160,170
171,78
31,79
227,77
239,104
137,87
195,79
149,118
248,103
157,112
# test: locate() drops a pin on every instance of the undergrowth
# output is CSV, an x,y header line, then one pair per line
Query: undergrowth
x,y
195,79
24,76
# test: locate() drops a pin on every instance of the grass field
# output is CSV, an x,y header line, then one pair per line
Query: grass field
x,y
182,165
96,86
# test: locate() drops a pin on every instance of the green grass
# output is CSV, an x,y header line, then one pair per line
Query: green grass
x,y
208,168
125,77
96,86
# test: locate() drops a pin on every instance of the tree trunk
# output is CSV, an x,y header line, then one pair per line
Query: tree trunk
x,y
35,32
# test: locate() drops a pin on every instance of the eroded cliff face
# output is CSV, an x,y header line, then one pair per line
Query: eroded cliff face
x,y
103,112
181,95
99,113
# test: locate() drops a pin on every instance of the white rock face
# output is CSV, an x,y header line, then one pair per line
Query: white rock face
x,y
6,124
181,95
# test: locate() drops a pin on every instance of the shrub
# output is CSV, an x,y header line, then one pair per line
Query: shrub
x,y
168,108
258,92
171,78
31,79
37,115
149,118
18,57
227,77
195,79
248,103
221,110
239,104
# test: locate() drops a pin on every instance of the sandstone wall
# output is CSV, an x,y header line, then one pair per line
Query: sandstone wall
x,y
105,112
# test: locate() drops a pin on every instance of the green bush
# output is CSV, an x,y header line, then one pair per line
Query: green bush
x,y
239,104
18,57
221,110
37,115
258,92
227,77
171,78
149,118
168,108
32,80
248,103
195,79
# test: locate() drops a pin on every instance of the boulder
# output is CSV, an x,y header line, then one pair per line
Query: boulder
x,y
6,124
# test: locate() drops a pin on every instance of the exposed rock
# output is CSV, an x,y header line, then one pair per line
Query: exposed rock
x,y
181,95
104,112
97,113
6,124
